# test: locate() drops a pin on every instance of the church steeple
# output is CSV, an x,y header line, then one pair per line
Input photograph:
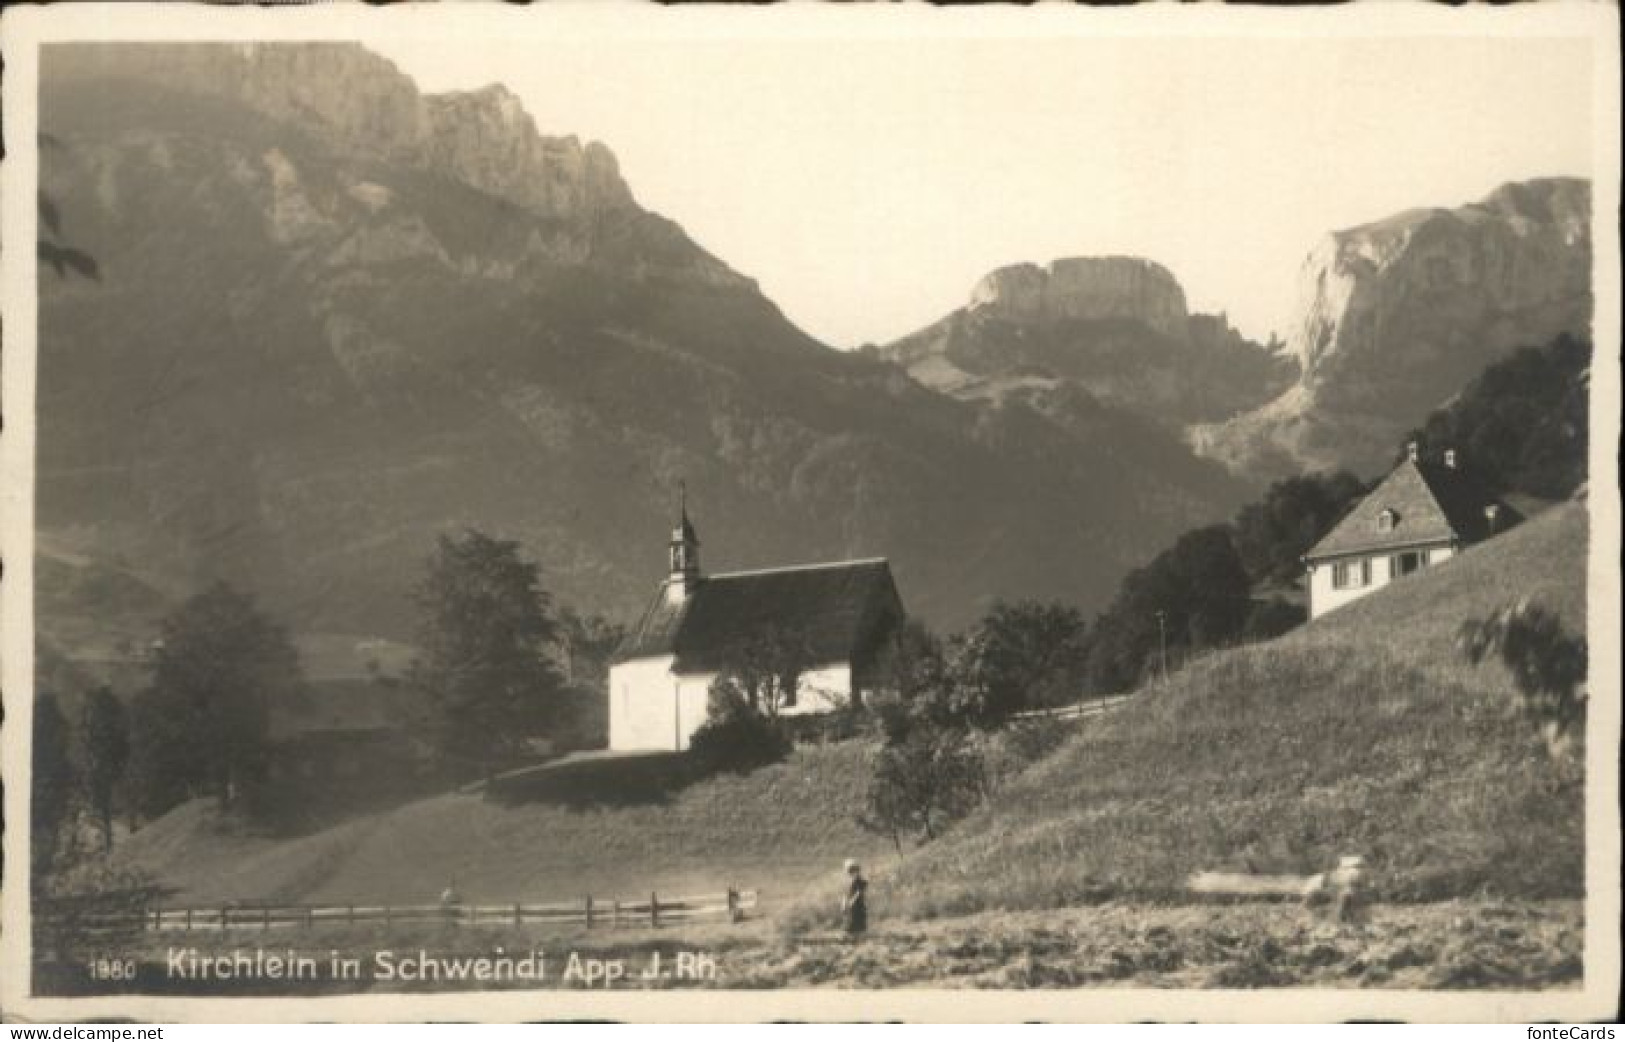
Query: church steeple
x,y
685,551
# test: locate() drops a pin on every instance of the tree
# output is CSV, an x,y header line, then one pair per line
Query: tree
x,y
1272,534
53,786
909,676
167,765
1195,595
1024,656
929,777
105,726
204,724
487,634
1523,424
929,770
765,669
1271,617
588,644
1548,668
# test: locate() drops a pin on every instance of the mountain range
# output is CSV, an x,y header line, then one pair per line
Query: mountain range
x,y
1396,316
337,316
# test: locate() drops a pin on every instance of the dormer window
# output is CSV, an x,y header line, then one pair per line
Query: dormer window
x,y
1387,519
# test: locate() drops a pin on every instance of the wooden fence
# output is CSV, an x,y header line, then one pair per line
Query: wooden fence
x,y
1092,707
591,912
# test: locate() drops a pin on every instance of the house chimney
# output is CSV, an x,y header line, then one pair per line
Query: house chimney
x,y
1450,458
1492,514
1411,451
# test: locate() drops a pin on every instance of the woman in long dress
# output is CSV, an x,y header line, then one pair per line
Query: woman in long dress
x,y
855,906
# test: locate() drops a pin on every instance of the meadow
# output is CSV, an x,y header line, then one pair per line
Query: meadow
x,y
1363,733
775,830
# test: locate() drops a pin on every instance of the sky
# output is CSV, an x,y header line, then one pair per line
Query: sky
x,y
867,184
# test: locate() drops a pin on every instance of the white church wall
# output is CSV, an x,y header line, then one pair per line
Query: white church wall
x,y
821,690
642,704
650,708
693,701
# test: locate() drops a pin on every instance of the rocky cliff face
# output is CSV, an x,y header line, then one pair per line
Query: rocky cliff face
x,y
1086,289
486,139
359,103
1395,316
1115,327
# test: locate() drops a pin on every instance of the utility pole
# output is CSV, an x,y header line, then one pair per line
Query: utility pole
x,y
1162,641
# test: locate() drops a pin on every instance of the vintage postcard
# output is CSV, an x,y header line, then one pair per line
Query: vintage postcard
x,y
692,514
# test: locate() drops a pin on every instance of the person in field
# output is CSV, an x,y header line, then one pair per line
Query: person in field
x,y
855,906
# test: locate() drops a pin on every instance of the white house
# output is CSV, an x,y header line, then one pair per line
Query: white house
x,y
1421,514
841,614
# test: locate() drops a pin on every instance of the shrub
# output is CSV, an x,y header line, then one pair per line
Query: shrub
x,y
1547,665
923,782
736,736
1268,619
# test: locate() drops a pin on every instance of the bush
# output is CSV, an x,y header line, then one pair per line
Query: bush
x,y
736,736
1548,666
1268,619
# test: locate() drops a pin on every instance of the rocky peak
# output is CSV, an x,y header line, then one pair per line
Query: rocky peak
x,y
487,139
1561,201
1416,275
1085,288
360,103
1397,315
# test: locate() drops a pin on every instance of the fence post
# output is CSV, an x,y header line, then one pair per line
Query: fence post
x,y
734,914
386,915
589,911
654,909
615,915
188,918
265,917
310,916
350,915
225,917
518,916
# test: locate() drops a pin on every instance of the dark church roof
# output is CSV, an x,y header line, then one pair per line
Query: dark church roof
x,y
834,609
1430,503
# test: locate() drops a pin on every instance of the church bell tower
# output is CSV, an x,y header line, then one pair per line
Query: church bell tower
x,y
685,553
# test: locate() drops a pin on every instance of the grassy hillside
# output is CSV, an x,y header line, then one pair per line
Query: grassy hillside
x,y
774,830
1363,732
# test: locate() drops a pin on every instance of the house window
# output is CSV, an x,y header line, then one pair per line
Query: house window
x,y
1351,575
1408,562
1385,520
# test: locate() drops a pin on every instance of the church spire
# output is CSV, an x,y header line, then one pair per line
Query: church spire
x,y
684,549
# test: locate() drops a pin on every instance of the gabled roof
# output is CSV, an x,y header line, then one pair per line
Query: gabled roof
x,y
1431,503
834,609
